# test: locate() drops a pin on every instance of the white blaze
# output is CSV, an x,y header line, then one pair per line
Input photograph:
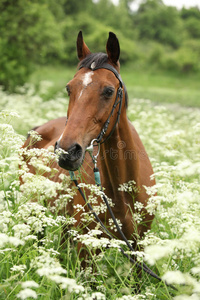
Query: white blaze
x,y
87,78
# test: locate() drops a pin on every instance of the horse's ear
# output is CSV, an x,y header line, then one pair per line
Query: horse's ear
x,y
112,48
82,49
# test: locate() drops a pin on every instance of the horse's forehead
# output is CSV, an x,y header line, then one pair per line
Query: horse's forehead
x,y
101,76
87,78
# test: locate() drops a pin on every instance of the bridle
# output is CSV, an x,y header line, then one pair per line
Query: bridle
x,y
118,101
98,140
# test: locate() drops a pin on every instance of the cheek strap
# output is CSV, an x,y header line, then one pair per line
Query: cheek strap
x,y
118,101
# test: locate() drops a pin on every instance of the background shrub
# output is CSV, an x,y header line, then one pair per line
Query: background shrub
x,y
29,35
44,33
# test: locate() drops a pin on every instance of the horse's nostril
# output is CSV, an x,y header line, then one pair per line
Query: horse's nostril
x,y
75,152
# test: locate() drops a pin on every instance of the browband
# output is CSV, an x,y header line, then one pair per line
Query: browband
x,y
107,67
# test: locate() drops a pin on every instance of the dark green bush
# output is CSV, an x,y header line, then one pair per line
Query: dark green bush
x,y
29,35
155,21
183,60
192,26
156,54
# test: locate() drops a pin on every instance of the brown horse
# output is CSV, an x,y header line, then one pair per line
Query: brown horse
x,y
97,111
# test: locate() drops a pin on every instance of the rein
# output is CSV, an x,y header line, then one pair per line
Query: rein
x,y
98,140
142,266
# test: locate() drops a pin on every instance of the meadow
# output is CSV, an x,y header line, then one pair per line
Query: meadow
x,y
35,261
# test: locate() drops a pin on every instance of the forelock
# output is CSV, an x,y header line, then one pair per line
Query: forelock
x,y
94,58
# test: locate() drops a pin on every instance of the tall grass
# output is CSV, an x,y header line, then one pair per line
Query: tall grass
x,y
37,263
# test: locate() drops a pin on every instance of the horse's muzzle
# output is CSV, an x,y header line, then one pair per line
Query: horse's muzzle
x,y
70,159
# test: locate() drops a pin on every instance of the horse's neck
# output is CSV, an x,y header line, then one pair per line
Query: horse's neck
x,y
119,158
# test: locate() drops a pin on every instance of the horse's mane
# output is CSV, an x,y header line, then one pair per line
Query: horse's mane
x,y
99,59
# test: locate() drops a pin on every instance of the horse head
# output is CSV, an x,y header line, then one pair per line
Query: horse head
x,y
94,93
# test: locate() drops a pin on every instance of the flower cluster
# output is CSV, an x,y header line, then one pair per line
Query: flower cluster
x,y
174,244
38,244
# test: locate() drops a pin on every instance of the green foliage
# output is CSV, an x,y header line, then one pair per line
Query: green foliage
x,y
44,32
193,12
191,21
73,7
158,22
29,33
192,26
183,60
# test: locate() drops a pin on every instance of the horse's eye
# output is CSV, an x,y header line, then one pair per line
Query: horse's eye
x,y
68,90
108,92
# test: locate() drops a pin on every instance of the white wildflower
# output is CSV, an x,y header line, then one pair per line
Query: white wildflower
x,y
27,293
129,187
3,239
47,271
114,243
67,283
174,277
29,284
195,270
156,252
138,206
138,218
21,230
95,296
18,268
186,297
35,135
112,225
30,237
14,114
79,207
129,297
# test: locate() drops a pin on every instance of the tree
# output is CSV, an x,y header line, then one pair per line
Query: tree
x,y
158,22
191,23
192,26
193,12
29,34
72,7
